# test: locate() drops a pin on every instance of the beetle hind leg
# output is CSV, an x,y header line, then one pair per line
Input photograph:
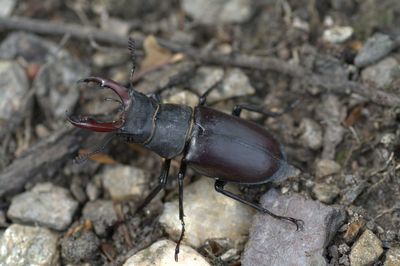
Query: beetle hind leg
x,y
219,187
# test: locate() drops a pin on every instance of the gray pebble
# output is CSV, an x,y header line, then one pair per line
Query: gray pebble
x,y
46,204
219,11
276,242
101,213
208,214
80,247
163,252
7,7
375,48
312,134
27,245
125,182
107,59
352,192
326,167
14,86
331,112
326,193
92,191
383,73
366,250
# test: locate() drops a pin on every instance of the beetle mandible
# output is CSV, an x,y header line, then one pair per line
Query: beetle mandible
x,y
221,146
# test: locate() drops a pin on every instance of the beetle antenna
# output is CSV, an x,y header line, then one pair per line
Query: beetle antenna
x,y
132,48
97,149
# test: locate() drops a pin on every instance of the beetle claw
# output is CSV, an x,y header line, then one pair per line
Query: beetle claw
x,y
120,90
89,123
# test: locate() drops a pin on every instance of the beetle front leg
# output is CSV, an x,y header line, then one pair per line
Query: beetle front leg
x,y
181,175
261,110
162,182
219,187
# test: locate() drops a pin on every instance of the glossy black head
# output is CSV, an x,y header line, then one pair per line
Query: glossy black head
x,y
136,121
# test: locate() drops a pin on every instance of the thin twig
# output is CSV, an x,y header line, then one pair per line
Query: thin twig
x,y
328,82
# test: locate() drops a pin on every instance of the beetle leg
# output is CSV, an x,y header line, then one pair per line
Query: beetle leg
x,y
181,175
219,187
257,109
162,182
203,97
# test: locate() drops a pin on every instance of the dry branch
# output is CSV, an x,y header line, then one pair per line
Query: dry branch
x,y
42,159
329,83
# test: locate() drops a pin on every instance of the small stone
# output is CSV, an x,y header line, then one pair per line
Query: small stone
x,y
326,193
14,86
107,59
388,139
343,249
326,167
337,34
102,215
162,253
80,247
331,113
205,78
92,191
7,7
276,242
27,245
125,182
204,210
366,250
383,73
219,11
352,192
375,48
77,190
235,84
183,97
392,257
312,134
46,204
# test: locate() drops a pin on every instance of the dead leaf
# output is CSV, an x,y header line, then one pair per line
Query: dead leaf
x,y
98,157
155,54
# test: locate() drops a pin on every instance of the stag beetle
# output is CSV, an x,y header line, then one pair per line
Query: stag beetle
x,y
221,146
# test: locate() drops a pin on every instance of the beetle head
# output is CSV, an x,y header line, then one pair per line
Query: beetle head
x,y
89,123
135,121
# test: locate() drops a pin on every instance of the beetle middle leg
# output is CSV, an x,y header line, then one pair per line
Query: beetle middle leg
x,y
162,182
219,187
181,175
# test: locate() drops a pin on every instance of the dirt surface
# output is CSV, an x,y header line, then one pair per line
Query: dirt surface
x,y
341,128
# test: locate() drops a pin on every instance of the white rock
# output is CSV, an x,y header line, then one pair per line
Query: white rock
x,y
337,34
47,205
219,11
208,214
162,253
125,182
27,245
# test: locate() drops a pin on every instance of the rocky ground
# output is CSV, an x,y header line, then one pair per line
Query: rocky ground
x,y
337,60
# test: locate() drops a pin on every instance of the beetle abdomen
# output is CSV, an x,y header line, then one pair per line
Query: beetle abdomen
x,y
233,149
